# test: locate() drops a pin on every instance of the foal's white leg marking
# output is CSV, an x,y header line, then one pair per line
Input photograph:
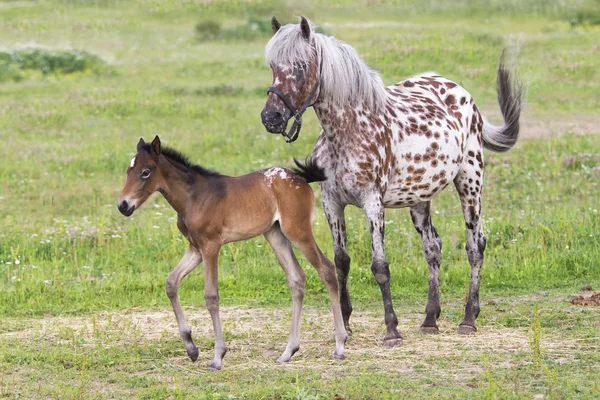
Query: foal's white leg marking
x,y
326,271
211,297
190,260
296,282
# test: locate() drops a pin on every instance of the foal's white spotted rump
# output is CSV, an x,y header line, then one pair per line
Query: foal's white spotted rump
x,y
395,146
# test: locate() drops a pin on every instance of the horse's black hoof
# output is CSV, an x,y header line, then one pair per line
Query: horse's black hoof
x,y
466,330
389,343
429,330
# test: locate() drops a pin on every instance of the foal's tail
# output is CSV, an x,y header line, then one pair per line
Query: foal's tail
x,y
510,97
310,171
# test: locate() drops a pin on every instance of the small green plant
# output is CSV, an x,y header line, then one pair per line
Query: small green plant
x,y
254,28
535,339
13,63
207,30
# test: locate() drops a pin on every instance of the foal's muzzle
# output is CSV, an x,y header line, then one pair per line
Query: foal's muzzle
x,y
125,208
274,121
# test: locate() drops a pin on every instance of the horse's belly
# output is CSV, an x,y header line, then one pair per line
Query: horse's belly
x,y
421,173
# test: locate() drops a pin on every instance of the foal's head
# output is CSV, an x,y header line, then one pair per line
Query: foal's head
x,y
143,178
292,55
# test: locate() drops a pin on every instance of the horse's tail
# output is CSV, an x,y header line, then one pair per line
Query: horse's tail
x,y
510,97
310,171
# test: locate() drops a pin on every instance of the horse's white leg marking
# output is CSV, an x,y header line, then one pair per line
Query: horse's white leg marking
x,y
210,253
296,282
190,260
432,248
374,211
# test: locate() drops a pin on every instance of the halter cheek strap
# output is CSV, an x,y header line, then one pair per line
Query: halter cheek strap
x,y
294,131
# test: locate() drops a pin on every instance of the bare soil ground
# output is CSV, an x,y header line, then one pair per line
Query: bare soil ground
x,y
586,300
255,338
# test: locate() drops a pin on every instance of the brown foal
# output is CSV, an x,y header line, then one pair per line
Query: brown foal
x,y
214,209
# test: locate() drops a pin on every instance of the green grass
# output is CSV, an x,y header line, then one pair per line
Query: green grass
x,y
66,252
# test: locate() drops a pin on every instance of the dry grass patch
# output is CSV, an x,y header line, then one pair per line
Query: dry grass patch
x,y
255,338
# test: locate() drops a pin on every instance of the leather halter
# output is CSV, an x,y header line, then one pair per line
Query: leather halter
x,y
294,131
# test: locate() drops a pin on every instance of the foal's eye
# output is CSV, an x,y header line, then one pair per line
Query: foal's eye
x,y
145,173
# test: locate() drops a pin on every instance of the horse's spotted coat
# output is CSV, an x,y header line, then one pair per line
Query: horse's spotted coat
x,y
395,146
409,152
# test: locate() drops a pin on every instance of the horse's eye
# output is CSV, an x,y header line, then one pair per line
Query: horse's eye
x,y
145,173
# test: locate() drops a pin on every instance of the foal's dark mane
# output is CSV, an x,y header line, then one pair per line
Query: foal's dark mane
x,y
175,156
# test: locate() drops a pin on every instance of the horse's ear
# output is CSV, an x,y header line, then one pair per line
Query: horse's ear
x,y
141,144
305,28
156,146
275,25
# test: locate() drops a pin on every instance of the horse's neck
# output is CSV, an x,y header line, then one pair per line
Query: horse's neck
x,y
340,121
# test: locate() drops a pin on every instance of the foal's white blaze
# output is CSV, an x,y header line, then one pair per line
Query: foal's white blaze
x,y
132,163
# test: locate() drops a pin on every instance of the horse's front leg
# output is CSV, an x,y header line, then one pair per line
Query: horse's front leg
x,y
375,212
211,297
190,260
334,212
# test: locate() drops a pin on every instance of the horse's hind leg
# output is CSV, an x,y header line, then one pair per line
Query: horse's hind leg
x,y
296,281
301,235
469,182
189,261
337,224
432,248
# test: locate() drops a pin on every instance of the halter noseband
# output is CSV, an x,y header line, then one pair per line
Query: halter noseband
x,y
293,133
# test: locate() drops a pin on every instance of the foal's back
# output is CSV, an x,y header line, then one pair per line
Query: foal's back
x,y
246,206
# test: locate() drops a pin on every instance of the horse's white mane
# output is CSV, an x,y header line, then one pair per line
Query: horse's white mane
x,y
345,78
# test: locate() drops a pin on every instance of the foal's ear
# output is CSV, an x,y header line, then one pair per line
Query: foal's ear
x,y
305,28
140,145
275,25
156,146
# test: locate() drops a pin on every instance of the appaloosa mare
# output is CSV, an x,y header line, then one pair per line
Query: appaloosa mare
x,y
395,146
213,209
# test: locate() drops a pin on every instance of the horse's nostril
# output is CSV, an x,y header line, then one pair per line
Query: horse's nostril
x,y
271,117
123,206
277,118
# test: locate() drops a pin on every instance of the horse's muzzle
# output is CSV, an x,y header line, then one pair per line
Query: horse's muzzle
x,y
125,209
274,121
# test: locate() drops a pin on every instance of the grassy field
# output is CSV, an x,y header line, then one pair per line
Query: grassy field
x,y
83,311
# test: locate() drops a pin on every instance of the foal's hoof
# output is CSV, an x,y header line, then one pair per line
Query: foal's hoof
x,y
429,330
337,356
466,330
193,353
389,343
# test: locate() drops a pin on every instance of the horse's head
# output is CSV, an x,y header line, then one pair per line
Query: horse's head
x,y
293,57
143,179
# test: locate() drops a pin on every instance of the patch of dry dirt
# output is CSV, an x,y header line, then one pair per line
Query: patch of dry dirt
x,y
256,337
586,300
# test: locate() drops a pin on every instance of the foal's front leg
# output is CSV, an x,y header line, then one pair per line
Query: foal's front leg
x,y
374,211
211,297
189,261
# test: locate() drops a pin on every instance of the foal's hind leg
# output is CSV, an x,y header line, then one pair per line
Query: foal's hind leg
x,y
189,261
302,237
469,182
296,281
337,224
432,248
